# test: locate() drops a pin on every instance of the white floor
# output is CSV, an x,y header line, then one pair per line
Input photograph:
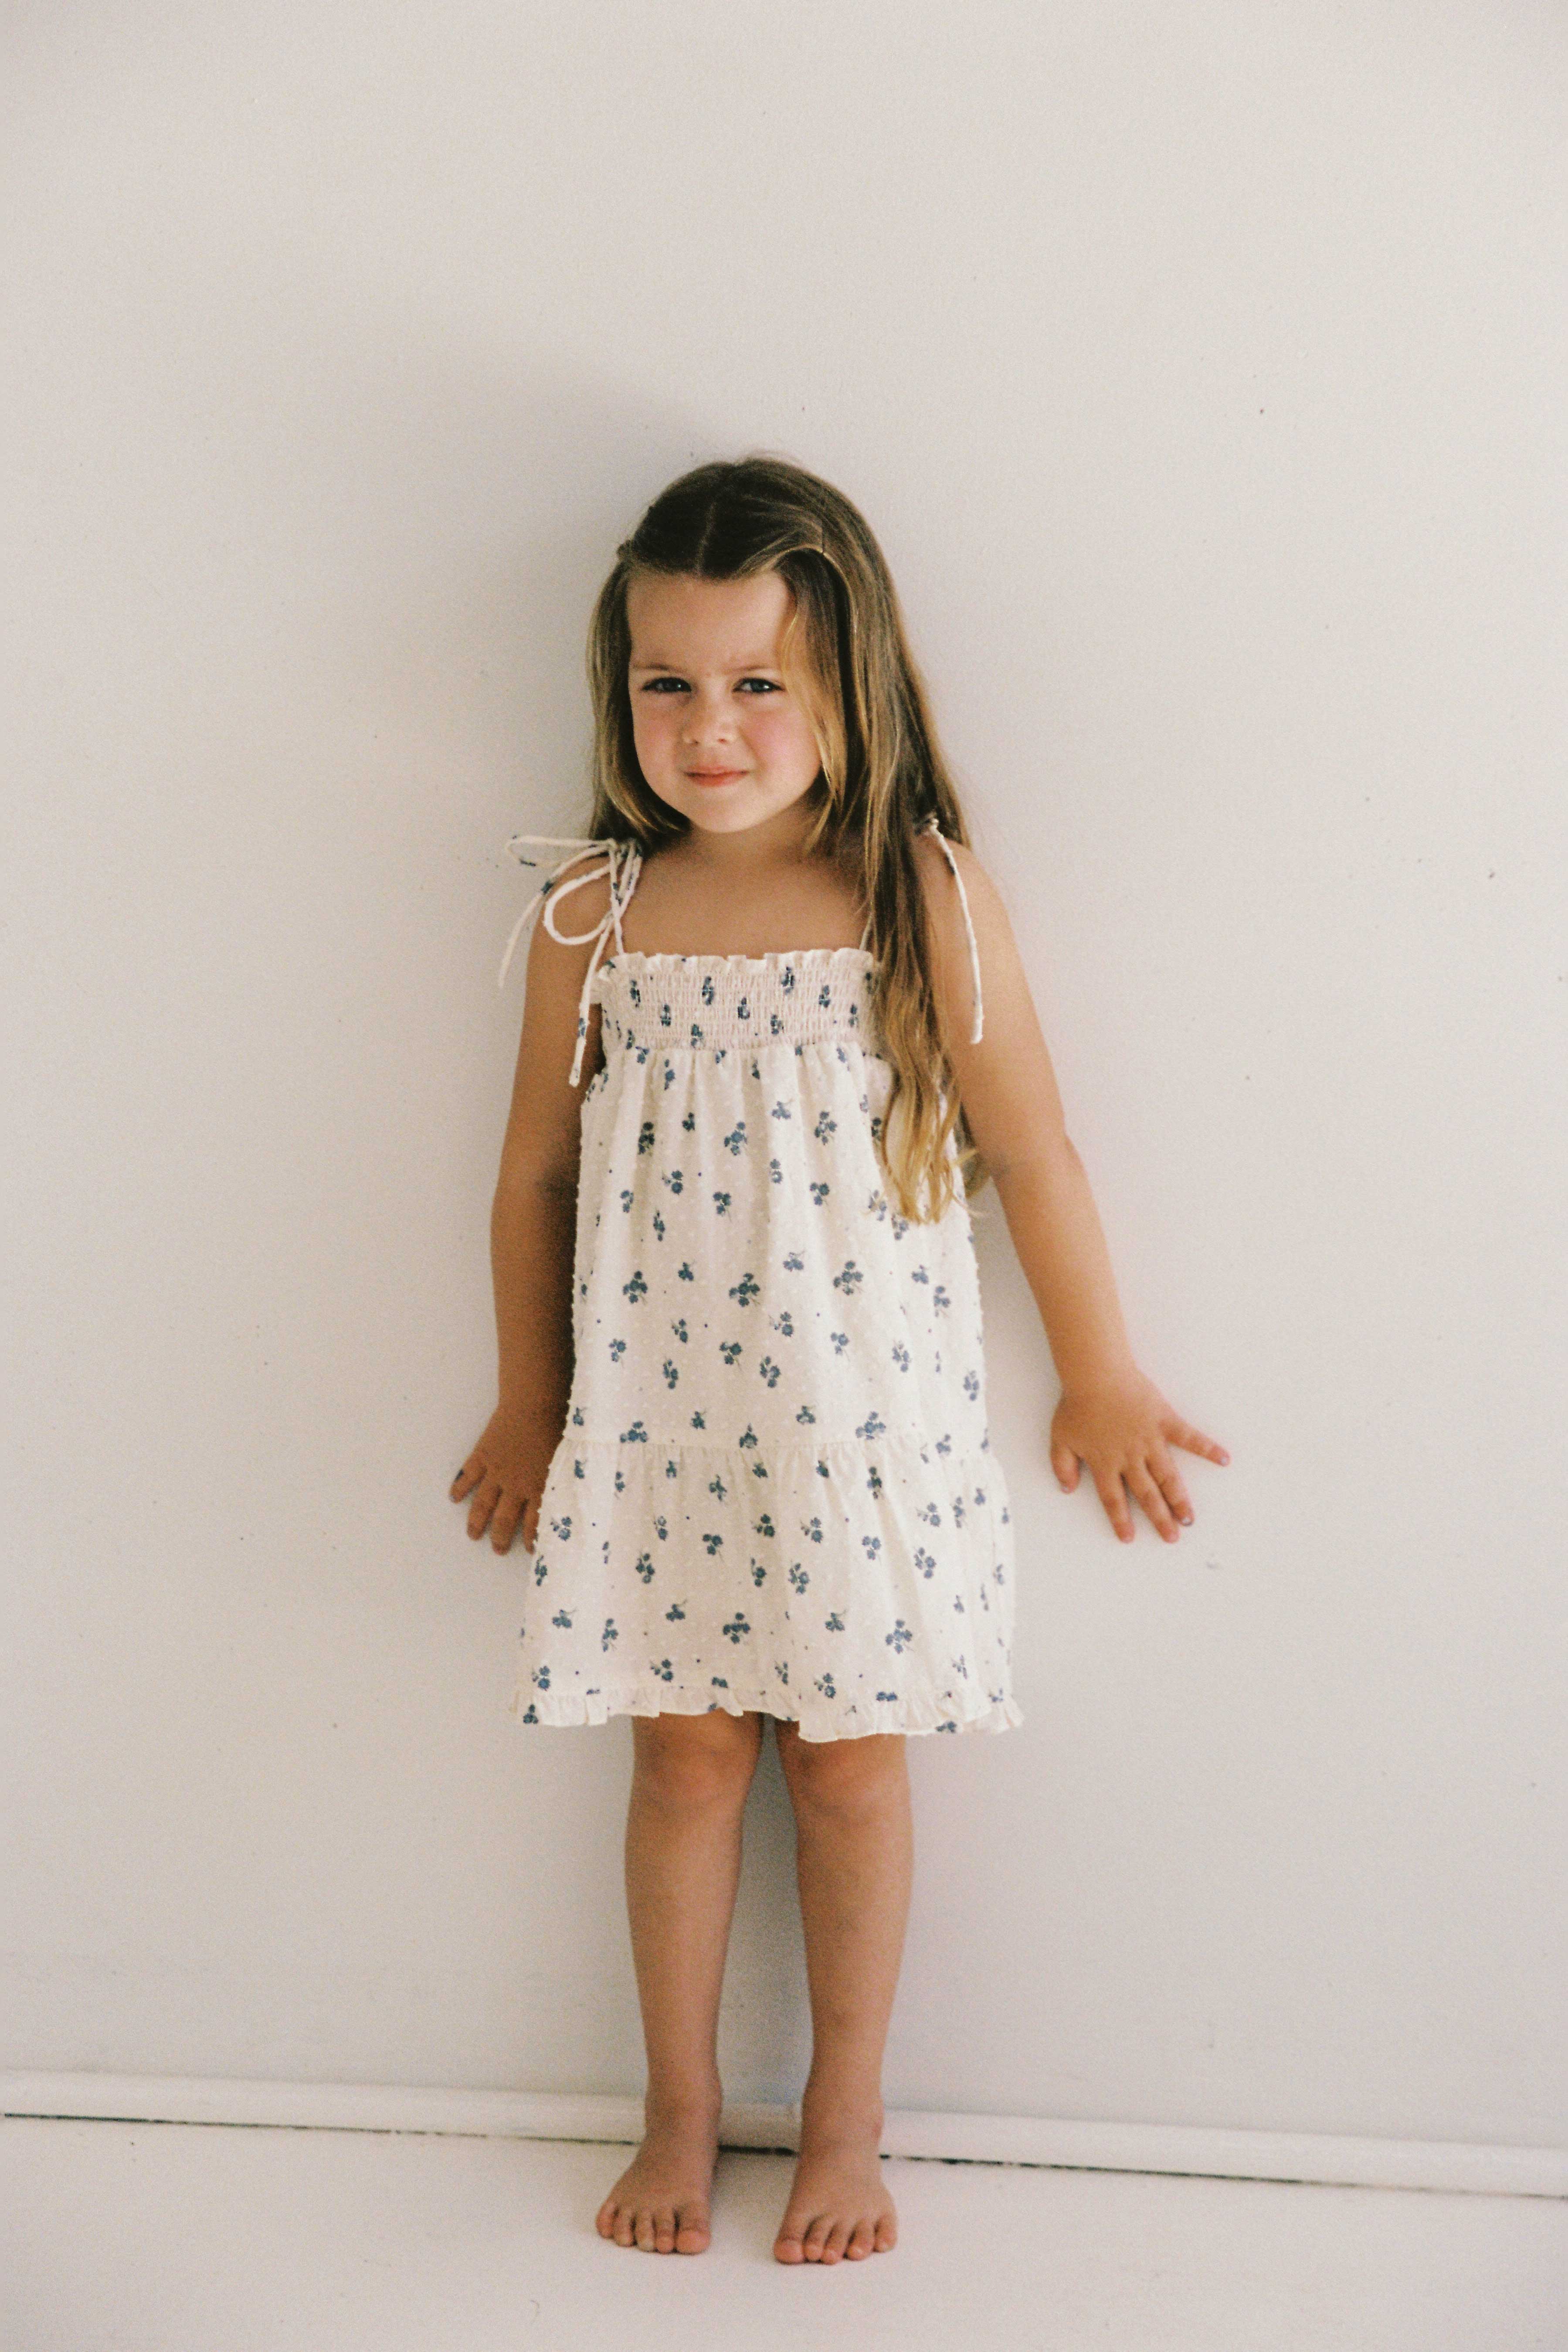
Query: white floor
x,y
217,2238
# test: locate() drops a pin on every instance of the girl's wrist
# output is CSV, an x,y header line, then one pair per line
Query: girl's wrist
x,y
532,1399
1100,1367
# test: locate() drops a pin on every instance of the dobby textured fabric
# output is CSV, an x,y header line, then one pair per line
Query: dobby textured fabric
x,y
775,1489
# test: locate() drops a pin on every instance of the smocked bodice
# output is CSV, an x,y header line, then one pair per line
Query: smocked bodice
x,y
723,1004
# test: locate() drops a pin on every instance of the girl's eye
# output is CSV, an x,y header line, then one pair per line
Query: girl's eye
x,y
670,685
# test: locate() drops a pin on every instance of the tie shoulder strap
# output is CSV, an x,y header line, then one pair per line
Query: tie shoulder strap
x,y
620,861
933,825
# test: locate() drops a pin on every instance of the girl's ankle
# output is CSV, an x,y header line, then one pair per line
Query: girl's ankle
x,y
847,2107
683,2103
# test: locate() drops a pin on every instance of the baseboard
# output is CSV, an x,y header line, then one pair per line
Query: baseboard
x,y
1310,2157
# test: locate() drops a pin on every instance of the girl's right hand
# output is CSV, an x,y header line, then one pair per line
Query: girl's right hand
x,y
505,1474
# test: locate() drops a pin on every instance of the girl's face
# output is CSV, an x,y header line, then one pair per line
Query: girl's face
x,y
719,734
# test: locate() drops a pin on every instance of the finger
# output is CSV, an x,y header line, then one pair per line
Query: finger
x,y
1148,1493
1171,1486
1193,1441
472,1469
1115,1502
503,1527
483,1504
1063,1462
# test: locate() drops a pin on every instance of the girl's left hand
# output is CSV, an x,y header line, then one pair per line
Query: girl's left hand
x,y
1123,1429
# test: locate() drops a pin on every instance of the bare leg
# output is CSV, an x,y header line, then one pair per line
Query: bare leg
x,y
855,1844
690,1778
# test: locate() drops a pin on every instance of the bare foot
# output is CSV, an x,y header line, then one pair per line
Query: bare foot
x,y
838,2208
660,2201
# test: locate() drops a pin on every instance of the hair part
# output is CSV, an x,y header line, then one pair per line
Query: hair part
x,y
846,653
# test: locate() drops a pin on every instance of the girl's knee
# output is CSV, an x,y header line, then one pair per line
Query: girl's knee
x,y
841,1771
690,1757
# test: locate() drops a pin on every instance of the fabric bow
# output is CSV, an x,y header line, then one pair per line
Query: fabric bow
x,y
621,861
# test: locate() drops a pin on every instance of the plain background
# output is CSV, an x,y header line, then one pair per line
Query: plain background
x,y
1201,370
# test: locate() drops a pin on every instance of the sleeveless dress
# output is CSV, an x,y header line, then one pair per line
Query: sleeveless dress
x,y
775,1488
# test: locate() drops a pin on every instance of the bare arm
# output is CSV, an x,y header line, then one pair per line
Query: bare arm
x,y
532,1237
1109,1415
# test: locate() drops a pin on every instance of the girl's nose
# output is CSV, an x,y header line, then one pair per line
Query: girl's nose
x,y
708,719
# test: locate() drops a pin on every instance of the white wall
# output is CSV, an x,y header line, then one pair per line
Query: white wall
x,y
1201,369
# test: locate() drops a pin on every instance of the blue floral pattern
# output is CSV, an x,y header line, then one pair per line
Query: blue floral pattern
x,y
776,1489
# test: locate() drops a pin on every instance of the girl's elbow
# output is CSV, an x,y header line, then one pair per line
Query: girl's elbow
x,y
1035,1161
525,1175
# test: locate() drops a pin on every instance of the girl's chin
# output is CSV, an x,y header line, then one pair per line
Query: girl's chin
x,y
726,813
726,808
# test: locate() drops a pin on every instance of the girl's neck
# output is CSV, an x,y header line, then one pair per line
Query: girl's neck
x,y
777,842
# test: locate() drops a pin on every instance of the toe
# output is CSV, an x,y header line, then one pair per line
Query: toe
x,y
862,2240
664,2229
787,2247
623,2232
816,2238
837,2240
691,2231
644,2230
887,2234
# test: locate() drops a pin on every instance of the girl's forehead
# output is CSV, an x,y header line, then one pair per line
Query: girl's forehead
x,y
677,620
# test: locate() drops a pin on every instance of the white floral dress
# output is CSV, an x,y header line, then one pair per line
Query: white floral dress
x,y
775,1488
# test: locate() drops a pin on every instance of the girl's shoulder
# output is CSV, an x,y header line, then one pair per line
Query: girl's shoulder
x,y
947,892
931,857
969,938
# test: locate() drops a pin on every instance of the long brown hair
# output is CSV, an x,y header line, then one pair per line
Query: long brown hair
x,y
883,774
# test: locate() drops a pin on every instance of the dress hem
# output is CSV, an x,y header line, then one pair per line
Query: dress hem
x,y
914,1717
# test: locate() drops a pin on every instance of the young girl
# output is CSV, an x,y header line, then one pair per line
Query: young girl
x,y
743,1406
